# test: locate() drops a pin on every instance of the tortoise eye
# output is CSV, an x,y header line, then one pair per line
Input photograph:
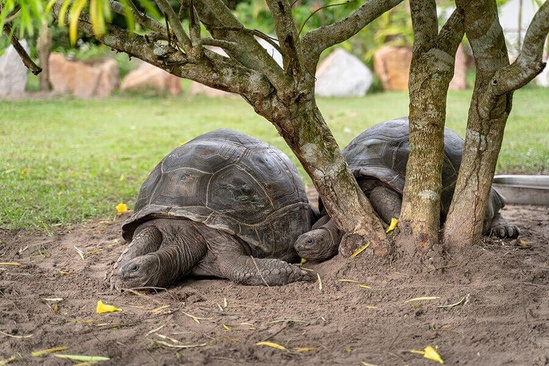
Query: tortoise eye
x,y
131,267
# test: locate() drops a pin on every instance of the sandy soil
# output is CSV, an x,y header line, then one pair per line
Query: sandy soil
x,y
491,308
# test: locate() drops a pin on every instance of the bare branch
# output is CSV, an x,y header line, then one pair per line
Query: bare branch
x,y
321,38
215,70
529,63
223,25
194,23
183,39
141,18
424,23
27,61
287,34
536,34
451,34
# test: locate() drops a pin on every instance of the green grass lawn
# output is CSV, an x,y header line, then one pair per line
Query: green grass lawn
x,y
65,160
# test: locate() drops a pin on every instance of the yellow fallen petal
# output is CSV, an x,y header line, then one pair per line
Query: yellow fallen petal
x,y
272,344
432,354
83,358
104,308
303,261
392,226
417,352
160,308
360,250
304,349
49,350
121,207
525,244
425,298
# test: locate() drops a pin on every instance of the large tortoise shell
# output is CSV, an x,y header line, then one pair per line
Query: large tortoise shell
x,y
229,181
381,152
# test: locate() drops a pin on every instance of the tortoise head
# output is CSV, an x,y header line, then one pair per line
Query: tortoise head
x,y
319,244
139,272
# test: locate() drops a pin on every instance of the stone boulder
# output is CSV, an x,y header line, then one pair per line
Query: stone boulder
x,y
392,66
342,74
83,79
459,81
150,77
197,88
13,73
543,78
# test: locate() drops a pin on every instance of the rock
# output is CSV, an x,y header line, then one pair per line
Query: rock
x,y
197,88
342,75
13,73
148,76
459,81
83,79
543,78
392,66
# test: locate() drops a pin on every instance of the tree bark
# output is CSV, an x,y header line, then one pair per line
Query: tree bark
x,y
431,71
44,50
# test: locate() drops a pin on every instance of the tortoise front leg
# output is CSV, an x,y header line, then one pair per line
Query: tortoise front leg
x,y
146,241
500,228
247,270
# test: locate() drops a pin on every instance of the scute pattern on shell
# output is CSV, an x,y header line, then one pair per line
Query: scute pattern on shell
x,y
232,182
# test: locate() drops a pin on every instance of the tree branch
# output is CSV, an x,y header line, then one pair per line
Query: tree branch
x,y
316,41
213,70
424,23
288,36
141,18
223,25
529,63
183,39
451,34
27,61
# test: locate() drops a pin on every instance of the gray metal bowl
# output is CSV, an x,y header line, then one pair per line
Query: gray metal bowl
x,y
523,189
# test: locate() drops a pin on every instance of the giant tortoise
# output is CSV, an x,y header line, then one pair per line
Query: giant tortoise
x,y
377,158
224,204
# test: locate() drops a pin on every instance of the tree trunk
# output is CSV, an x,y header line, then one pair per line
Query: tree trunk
x,y
44,50
301,124
431,71
486,123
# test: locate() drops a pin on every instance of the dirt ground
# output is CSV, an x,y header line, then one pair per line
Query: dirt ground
x,y
491,308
